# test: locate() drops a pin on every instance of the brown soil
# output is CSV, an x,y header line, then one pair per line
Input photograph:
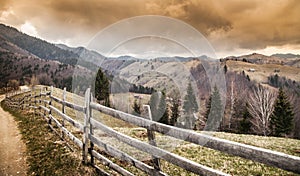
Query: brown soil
x,y
12,148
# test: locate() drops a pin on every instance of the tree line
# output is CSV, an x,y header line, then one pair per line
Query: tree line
x,y
256,109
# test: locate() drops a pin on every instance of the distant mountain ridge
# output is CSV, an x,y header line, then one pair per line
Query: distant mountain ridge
x,y
21,65
255,58
38,47
286,56
17,46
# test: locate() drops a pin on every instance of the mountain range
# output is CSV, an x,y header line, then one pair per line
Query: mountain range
x,y
22,56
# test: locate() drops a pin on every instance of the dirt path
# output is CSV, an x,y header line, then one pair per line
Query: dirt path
x,y
12,148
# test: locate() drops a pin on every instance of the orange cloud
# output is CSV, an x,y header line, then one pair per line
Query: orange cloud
x,y
230,24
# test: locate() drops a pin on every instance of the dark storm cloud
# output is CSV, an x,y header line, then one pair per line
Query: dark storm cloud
x,y
227,24
260,24
200,14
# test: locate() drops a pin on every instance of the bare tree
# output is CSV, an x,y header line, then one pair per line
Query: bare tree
x,y
260,106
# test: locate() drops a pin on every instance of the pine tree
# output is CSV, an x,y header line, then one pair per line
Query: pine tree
x,y
136,108
102,88
225,69
213,113
163,109
175,111
190,106
282,116
165,117
154,101
245,124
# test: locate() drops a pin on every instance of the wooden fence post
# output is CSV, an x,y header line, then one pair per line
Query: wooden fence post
x,y
50,104
63,109
86,125
45,104
91,129
151,136
40,101
34,96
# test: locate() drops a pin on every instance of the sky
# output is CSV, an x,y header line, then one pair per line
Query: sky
x,y
232,27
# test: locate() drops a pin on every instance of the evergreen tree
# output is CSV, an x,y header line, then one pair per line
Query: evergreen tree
x,y
163,109
190,106
175,111
248,78
245,124
241,117
165,117
136,108
154,101
282,116
213,113
225,69
102,88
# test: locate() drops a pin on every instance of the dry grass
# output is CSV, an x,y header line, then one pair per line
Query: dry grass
x,y
208,157
264,70
46,154
220,161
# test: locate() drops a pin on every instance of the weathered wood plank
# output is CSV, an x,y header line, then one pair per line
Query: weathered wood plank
x,y
151,135
58,100
67,132
85,136
100,171
125,157
44,108
45,93
63,109
157,152
46,101
67,118
105,161
69,104
269,157
42,115
58,134
75,106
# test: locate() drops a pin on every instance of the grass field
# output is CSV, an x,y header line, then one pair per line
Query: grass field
x,y
208,157
46,154
215,159
262,71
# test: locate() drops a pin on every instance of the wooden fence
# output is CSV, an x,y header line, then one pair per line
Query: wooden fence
x,y
42,103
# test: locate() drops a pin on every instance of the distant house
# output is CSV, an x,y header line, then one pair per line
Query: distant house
x,y
251,70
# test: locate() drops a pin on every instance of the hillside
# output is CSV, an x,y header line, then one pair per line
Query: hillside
x,y
38,47
286,56
261,72
256,58
18,64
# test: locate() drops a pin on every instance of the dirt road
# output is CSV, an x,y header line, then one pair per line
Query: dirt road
x,y
12,148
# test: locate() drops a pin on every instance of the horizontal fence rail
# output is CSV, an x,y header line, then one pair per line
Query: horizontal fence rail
x,y
269,157
43,104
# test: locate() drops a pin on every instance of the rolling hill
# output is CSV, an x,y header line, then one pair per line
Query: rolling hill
x,y
38,47
158,72
21,65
